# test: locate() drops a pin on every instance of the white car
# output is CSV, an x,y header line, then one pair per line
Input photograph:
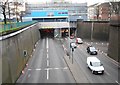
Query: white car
x,y
95,65
79,40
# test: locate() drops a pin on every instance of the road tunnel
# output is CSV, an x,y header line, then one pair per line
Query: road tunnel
x,y
47,33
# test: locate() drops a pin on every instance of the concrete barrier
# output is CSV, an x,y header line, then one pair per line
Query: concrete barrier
x,y
12,52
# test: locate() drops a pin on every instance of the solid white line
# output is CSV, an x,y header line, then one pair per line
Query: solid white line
x,y
47,56
47,74
47,63
47,44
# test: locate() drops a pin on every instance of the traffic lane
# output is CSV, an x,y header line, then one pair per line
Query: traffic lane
x,y
34,72
59,71
110,66
110,69
98,57
81,58
100,45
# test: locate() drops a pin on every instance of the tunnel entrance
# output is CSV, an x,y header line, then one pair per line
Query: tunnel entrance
x,y
47,33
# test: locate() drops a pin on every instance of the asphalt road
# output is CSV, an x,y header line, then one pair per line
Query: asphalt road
x,y
47,64
80,55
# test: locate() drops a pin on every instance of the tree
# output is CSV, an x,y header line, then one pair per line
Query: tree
x,y
3,6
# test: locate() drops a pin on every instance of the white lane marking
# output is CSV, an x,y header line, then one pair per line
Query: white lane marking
x,y
47,56
33,49
29,69
117,82
29,75
65,68
38,69
107,73
47,44
47,63
56,68
47,74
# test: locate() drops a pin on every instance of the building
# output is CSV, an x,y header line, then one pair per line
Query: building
x,y
75,10
102,11
92,13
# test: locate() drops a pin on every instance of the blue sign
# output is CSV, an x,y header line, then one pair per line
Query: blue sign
x,y
48,13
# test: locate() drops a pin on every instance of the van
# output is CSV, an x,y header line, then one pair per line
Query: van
x,y
95,65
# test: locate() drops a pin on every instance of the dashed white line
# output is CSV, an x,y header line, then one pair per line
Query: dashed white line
x,y
47,44
33,49
47,74
47,56
47,63
117,82
56,68
38,69
66,68
29,69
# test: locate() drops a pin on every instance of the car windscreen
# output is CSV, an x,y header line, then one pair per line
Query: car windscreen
x,y
96,64
92,49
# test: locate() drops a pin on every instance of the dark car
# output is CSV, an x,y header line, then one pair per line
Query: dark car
x,y
91,50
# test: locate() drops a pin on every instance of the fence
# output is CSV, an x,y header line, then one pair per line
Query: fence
x,y
12,25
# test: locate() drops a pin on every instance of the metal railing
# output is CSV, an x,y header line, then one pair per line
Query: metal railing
x,y
14,25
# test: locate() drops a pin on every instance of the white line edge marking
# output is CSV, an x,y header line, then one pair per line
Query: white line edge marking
x,y
47,74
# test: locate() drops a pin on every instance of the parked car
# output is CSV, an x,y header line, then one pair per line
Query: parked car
x,y
79,40
94,64
91,50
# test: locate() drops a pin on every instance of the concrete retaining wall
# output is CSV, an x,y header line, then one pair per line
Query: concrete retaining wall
x,y
13,60
114,43
100,30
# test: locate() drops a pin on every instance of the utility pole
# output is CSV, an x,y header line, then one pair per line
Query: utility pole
x,y
92,31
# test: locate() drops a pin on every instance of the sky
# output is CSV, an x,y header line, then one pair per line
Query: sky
x,y
90,2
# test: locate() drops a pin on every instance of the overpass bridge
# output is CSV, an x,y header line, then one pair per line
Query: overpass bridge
x,y
54,29
54,23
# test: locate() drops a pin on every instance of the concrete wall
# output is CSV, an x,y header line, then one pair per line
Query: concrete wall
x,y
100,30
114,43
13,60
